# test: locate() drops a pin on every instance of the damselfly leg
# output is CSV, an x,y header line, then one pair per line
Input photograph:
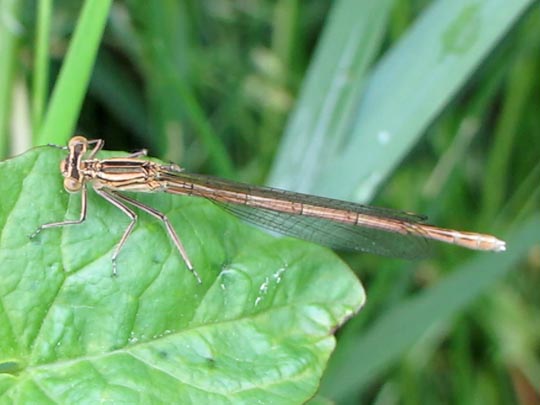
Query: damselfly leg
x,y
82,217
119,200
78,171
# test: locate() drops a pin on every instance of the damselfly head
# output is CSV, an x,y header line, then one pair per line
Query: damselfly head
x,y
71,165
78,143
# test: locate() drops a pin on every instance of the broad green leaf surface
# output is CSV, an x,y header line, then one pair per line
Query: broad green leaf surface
x,y
257,330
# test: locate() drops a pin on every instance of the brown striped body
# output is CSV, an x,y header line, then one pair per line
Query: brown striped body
x,y
137,175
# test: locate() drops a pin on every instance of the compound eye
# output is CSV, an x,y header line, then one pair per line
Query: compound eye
x,y
77,140
77,144
64,167
72,185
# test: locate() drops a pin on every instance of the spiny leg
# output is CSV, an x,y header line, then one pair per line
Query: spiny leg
x,y
139,153
52,145
99,145
84,199
126,210
172,233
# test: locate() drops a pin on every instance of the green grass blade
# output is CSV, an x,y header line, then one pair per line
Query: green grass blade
x,y
41,65
396,331
165,36
405,91
10,30
331,91
126,102
70,89
519,93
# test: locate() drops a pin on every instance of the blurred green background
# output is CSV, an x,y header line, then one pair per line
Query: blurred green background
x,y
425,106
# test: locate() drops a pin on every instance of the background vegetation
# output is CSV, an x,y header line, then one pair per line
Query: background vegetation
x,y
289,91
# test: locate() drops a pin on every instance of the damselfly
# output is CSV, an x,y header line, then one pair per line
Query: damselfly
x,y
335,223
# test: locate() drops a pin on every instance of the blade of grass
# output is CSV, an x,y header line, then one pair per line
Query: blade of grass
x,y
285,32
10,29
331,91
519,93
512,322
69,91
41,65
396,331
126,102
165,36
218,156
161,28
406,90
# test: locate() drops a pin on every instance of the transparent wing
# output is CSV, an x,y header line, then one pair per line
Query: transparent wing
x,y
408,243
336,235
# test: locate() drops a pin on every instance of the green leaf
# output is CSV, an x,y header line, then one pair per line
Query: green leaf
x,y
258,328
